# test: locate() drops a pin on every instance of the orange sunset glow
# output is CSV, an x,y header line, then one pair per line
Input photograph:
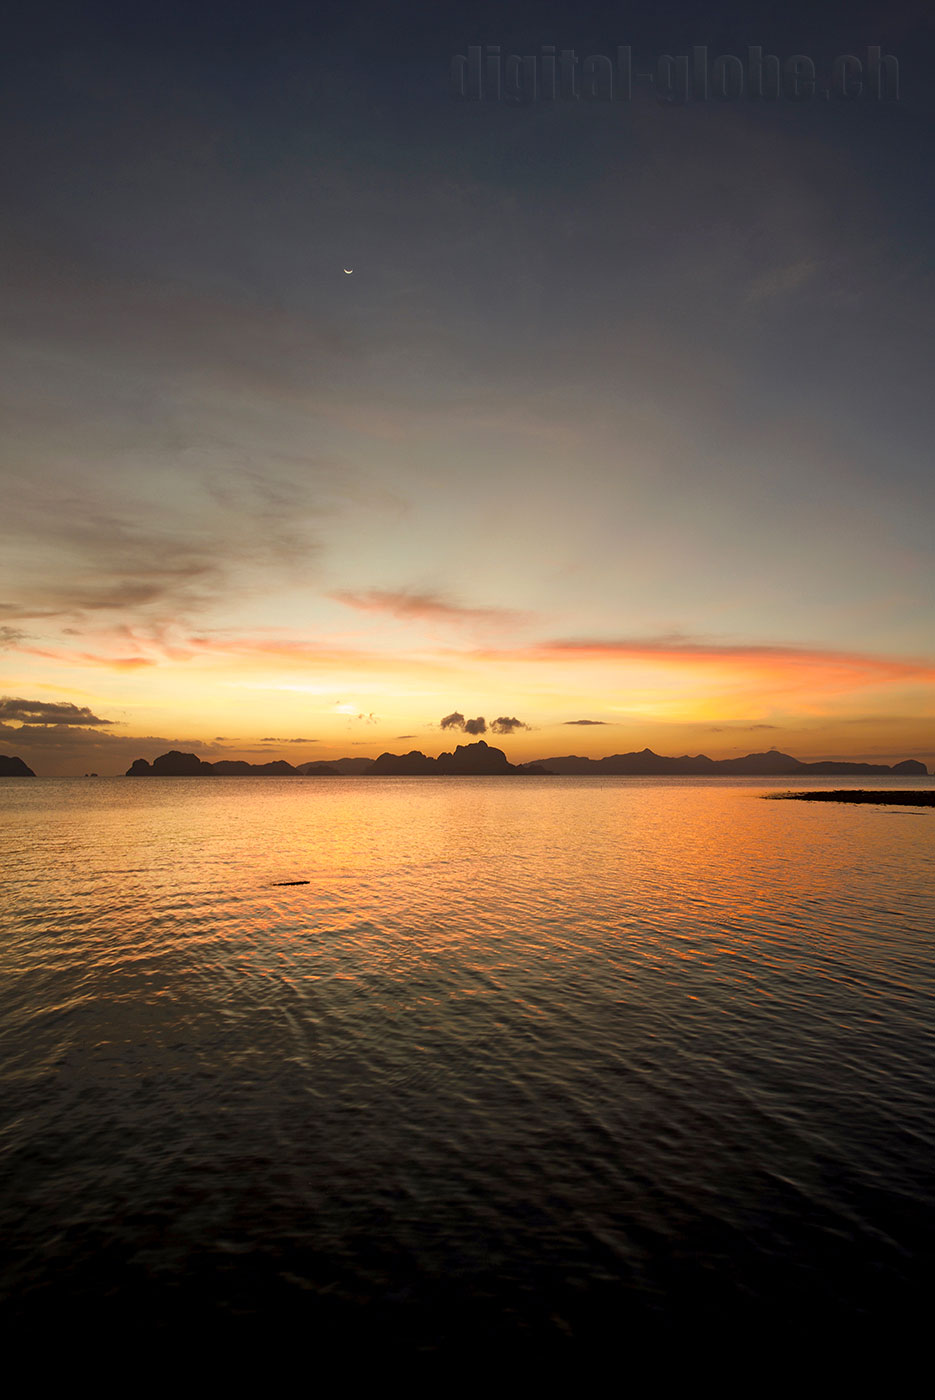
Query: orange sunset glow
x,y
369,687
467,691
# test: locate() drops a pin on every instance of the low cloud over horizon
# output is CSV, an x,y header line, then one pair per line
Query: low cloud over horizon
x,y
269,740
39,712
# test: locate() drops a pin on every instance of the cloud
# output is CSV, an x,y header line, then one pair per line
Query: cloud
x,y
11,637
922,720
745,728
114,547
469,726
781,667
584,721
431,607
54,736
504,725
677,645
289,741
110,663
229,646
107,562
48,712
65,748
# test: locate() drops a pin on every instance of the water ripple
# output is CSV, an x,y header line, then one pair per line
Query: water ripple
x,y
547,1064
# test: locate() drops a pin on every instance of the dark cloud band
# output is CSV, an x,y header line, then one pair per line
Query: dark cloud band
x,y
48,712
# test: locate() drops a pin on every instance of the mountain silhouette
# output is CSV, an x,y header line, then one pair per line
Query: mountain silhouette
x,y
481,758
474,758
771,764
394,764
334,767
171,765
467,760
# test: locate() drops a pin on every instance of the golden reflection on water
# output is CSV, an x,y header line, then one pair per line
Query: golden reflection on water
x,y
445,859
561,1032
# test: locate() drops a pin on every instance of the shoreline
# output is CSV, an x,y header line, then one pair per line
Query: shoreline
x,y
859,795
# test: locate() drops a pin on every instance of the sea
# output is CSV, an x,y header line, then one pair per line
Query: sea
x,y
460,1068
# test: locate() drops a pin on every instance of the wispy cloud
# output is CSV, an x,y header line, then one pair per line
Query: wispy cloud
x,y
820,667
425,606
117,549
107,561
738,727
88,658
274,740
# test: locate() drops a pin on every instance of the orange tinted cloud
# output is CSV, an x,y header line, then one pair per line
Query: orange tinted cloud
x,y
87,658
426,607
821,668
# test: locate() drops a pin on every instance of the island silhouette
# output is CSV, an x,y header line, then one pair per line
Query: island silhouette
x,y
481,758
899,797
11,767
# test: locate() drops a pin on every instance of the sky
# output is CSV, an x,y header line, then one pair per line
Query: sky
x,y
617,434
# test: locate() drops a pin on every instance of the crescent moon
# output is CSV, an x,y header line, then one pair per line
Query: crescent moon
x,y
348,270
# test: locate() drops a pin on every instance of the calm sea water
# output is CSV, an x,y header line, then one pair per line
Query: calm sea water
x,y
549,1063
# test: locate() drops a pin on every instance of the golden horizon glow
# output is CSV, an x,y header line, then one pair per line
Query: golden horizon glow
x,y
276,694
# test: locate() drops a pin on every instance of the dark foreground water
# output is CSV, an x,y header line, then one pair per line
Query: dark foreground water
x,y
544,1065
